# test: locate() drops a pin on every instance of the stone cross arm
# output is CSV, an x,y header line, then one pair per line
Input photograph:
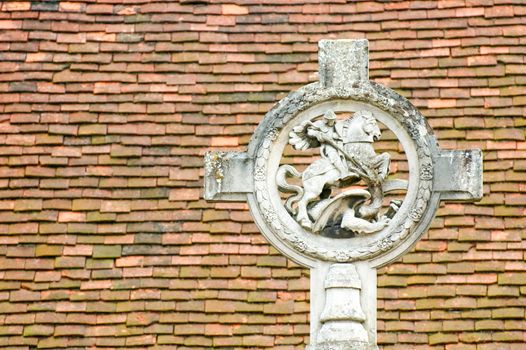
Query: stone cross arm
x,y
229,175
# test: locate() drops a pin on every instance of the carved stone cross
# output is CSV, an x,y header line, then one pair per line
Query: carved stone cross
x,y
334,215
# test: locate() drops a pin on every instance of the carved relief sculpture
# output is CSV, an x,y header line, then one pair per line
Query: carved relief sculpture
x,y
347,156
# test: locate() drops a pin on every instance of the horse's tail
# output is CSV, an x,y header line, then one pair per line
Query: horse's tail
x,y
284,172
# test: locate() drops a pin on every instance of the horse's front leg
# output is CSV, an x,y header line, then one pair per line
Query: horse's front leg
x,y
382,164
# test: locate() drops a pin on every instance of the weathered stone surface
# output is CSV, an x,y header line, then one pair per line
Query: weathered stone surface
x,y
458,175
343,62
227,176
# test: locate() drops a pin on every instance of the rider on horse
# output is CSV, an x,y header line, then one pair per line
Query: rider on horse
x,y
329,135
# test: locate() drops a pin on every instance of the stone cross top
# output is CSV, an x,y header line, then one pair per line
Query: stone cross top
x,y
336,217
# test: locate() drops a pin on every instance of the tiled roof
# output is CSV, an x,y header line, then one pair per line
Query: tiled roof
x,y
106,110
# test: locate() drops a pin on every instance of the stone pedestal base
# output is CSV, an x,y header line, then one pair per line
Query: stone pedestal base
x,y
342,332
342,322
348,345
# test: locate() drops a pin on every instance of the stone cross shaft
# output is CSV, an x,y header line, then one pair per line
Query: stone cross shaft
x,y
343,233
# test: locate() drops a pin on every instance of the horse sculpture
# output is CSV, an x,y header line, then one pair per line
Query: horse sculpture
x,y
353,140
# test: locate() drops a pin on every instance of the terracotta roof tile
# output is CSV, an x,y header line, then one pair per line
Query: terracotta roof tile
x,y
107,108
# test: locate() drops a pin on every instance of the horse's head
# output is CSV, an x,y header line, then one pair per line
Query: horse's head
x,y
362,127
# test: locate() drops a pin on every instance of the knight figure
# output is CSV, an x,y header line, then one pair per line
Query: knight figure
x,y
347,156
329,138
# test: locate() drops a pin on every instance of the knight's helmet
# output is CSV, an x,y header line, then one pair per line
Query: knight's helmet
x,y
329,115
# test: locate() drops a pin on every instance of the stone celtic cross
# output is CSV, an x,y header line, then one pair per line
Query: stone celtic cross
x,y
338,215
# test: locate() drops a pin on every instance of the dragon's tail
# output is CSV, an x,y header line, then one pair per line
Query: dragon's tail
x,y
284,172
